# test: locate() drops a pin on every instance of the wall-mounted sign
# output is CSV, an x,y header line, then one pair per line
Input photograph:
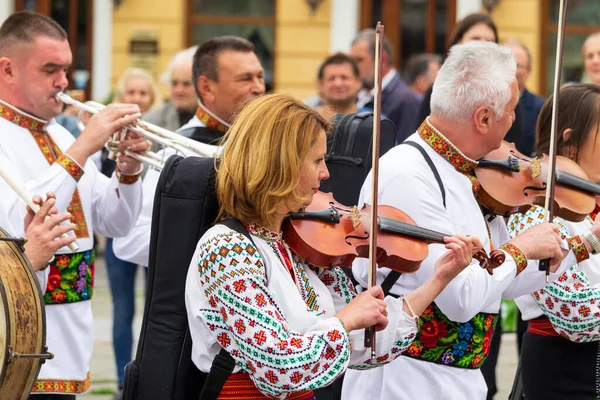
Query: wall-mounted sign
x,y
143,50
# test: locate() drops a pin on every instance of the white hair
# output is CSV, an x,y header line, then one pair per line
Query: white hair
x,y
186,55
475,74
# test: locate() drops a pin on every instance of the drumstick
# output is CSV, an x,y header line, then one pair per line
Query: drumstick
x,y
27,198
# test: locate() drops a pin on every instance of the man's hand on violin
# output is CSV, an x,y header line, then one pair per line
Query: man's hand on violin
x,y
541,242
365,310
458,257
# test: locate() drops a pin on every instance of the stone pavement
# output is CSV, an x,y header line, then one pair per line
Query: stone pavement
x,y
104,380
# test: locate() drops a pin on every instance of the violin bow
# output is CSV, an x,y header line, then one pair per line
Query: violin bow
x,y
551,178
370,337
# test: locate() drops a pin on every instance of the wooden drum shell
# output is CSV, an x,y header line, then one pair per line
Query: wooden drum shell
x,y
22,322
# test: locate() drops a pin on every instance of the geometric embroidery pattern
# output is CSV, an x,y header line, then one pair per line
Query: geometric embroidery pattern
x,y
62,386
571,302
248,323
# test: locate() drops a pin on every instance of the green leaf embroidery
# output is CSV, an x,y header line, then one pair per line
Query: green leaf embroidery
x,y
450,338
465,362
72,295
433,354
478,321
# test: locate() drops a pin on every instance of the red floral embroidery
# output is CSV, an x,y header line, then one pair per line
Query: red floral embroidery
x,y
71,278
579,249
126,179
210,121
517,255
431,331
449,152
71,166
53,154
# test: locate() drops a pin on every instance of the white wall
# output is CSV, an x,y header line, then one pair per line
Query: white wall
x,y
466,7
7,7
102,56
344,24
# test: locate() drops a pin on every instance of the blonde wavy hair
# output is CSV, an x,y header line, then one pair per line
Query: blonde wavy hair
x,y
259,168
138,73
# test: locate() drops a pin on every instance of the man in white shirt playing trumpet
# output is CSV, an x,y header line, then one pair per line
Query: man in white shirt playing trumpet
x,y
34,59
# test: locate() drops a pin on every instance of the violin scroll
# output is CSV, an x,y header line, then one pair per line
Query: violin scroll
x,y
491,262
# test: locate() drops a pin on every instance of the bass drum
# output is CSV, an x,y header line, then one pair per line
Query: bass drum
x,y
22,322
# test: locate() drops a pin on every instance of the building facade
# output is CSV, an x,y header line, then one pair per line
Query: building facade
x,y
292,37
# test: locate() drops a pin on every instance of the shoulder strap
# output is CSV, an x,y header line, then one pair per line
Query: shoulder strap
x,y
393,276
436,174
223,364
389,282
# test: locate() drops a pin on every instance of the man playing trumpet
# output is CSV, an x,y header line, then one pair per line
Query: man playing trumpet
x,y
34,59
226,73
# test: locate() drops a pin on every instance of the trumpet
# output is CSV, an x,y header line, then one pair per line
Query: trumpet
x,y
182,145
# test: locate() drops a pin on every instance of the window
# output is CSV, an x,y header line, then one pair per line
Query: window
x,y
412,26
251,19
583,19
74,17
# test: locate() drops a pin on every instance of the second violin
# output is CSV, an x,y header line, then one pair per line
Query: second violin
x,y
510,182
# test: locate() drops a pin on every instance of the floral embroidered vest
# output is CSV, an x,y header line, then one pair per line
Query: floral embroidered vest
x,y
440,340
71,278
456,344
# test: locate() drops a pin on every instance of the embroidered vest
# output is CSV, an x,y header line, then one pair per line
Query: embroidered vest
x,y
462,345
71,278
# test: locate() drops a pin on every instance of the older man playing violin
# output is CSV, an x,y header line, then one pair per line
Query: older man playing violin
x,y
473,102
34,59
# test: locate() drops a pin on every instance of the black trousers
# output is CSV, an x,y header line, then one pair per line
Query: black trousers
x,y
52,397
554,368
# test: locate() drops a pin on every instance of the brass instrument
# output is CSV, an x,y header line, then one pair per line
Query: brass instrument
x,y
182,145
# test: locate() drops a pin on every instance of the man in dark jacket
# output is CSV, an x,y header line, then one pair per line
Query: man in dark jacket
x,y
530,103
398,102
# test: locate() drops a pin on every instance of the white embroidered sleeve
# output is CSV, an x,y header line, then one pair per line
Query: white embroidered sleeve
x,y
391,342
571,302
245,319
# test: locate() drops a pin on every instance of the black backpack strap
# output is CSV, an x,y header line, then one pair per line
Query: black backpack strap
x,y
223,364
389,282
436,174
393,276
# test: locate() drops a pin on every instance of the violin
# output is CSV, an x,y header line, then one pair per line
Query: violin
x,y
511,182
327,233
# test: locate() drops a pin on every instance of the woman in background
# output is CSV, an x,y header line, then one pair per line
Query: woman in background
x,y
135,86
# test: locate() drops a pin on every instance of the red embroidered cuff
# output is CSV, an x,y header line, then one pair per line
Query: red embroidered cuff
x,y
517,255
126,179
579,249
71,166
